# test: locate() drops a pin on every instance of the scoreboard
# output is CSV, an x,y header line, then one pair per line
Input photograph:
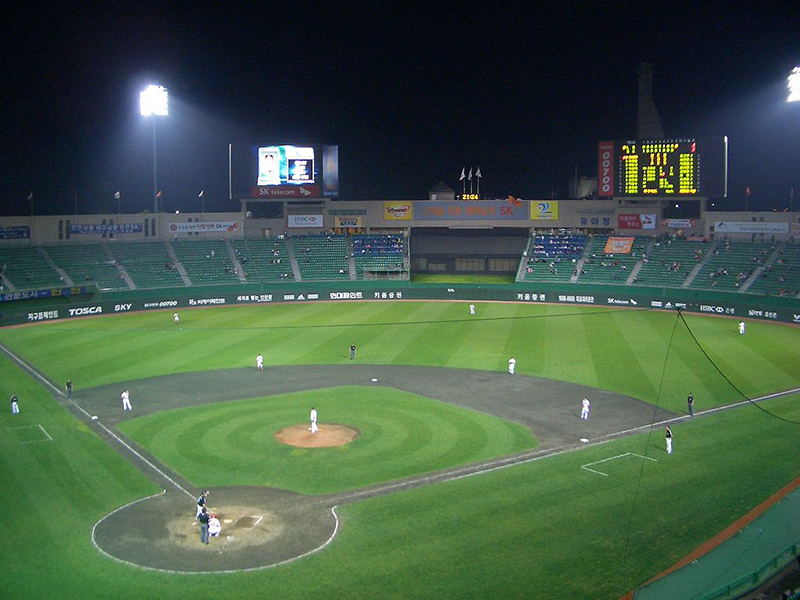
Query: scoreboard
x,y
664,168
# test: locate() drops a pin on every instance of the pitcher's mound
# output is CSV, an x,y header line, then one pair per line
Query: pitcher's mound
x,y
328,436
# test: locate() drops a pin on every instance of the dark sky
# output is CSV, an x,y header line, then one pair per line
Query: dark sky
x,y
410,95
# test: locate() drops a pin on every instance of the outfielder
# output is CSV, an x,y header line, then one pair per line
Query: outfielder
x,y
126,400
313,417
260,362
177,318
14,405
585,409
472,309
741,327
512,364
668,436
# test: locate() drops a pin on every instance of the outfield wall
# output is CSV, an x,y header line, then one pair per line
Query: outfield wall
x,y
786,310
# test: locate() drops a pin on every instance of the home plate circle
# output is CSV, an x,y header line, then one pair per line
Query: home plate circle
x,y
584,440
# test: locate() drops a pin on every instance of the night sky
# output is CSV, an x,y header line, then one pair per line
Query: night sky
x,y
410,95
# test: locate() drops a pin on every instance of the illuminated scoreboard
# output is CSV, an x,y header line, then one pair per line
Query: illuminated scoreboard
x,y
679,167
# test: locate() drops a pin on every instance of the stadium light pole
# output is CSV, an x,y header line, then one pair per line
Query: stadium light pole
x,y
154,102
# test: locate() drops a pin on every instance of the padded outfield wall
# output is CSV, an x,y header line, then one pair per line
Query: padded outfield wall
x,y
15,312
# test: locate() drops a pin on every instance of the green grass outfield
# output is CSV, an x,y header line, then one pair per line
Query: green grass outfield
x,y
547,529
402,434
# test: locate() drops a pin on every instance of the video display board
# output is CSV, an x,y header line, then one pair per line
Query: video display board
x,y
669,167
283,171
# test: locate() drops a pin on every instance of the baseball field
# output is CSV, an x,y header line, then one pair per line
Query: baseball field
x,y
455,479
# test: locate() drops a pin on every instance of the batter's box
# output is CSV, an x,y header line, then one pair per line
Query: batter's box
x,y
247,522
31,434
605,460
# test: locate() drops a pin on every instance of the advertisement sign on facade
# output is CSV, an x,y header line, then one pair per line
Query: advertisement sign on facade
x,y
544,210
313,221
16,232
750,227
347,221
205,227
679,223
481,210
637,221
398,211
286,191
105,229
605,169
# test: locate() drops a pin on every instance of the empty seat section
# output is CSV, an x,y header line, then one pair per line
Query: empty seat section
x,y
147,264
552,257
88,264
206,262
265,260
608,267
671,262
782,277
731,265
26,268
385,253
321,257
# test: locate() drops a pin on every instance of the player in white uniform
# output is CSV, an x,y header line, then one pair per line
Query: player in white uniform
x,y
214,527
472,309
260,362
512,364
741,327
585,405
313,417
14,405
668,437
177,318
126,400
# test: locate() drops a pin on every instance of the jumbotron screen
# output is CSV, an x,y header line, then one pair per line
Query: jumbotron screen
x,y
283,171
670,167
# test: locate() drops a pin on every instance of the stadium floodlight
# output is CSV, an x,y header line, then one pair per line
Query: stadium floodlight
x,y
154,101
794,85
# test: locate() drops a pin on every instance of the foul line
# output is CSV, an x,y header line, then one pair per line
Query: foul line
x,y
587,465
49,439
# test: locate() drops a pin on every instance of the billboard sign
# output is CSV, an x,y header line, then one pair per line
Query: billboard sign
x,y
105,228
619,245
15,232
347,221
636,221
605,169
750,227
285,191
544,210
298,221
679,223
481,210
277,170
205,227
398,211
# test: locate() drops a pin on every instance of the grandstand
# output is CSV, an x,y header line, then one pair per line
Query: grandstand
x,y
781,277
265,259
670,262
379,255
602,267
321,258
206,261
147,264
731,265
552,257
88,264
27,268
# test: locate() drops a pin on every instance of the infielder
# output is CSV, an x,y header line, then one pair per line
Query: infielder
x,y
177,318
472,309
741,327
352,352
668,436
126,400
260,362
512,364
690,404
14,405
585,405
313,417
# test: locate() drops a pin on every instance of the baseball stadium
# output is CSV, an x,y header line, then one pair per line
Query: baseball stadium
x,y
500,391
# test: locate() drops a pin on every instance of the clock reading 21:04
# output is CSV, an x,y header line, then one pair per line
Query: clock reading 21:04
x,y
672,167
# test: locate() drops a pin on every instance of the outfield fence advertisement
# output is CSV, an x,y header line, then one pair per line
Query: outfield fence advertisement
x,y
710,303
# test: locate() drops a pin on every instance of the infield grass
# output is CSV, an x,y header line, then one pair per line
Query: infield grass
x,y
402,434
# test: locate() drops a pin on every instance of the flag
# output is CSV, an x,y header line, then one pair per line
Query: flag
x,y
513,201
478,173
30,197
200,195
117,195
462,174
470,174
158,195
747,192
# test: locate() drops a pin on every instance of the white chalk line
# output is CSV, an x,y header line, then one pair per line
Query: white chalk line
x,y
49,438
597,462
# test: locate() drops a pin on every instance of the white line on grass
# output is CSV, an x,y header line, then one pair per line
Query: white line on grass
x,y
49,439
587,465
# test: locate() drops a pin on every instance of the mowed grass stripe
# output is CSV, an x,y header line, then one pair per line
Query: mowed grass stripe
x,y
402,434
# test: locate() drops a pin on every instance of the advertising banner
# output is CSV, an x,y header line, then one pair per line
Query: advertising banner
x,y
16,232
750,227
605,169
398,211
205,227
619,245
544,210
481,210
638,221
105,228
296,221
347,221
286,191
679,223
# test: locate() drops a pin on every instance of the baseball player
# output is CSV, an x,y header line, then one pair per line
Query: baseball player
x,y
214,527
668,436
14,405
126,400
741,327
512,364
352,351
585,405
472,309
690,403
313,417
201,505
176,318
68,387
260,362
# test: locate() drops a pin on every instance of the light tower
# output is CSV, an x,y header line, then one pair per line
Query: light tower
x,y
154,102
